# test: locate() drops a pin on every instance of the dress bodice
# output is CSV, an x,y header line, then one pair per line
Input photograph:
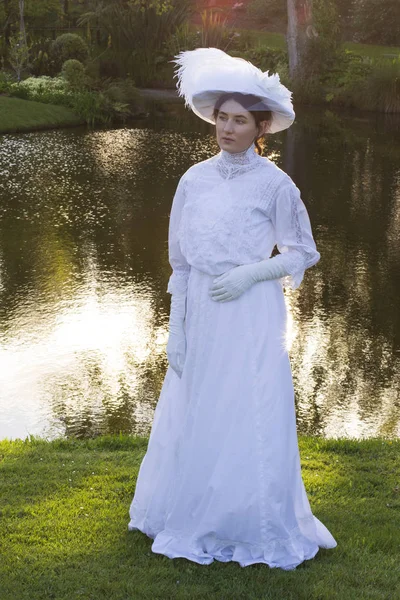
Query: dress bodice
x,y
232,209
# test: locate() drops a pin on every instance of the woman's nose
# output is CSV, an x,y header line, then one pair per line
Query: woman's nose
x,y
228,125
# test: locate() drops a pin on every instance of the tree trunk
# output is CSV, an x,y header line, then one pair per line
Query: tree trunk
x,y
300,28
22,29
7,26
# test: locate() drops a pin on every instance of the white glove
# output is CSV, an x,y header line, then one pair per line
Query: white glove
x,y
176,346
234,282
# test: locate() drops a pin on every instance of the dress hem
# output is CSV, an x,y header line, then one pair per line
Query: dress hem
x,y
209,548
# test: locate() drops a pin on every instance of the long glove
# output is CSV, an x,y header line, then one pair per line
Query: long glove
x,y
176,345
234,282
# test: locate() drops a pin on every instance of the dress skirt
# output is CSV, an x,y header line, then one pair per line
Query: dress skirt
x,y
221,478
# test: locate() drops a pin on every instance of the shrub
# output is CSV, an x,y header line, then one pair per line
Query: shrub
x,y
49,90
67,46
265,58
73,72
381,89
184,38
91,106
6,81
122,91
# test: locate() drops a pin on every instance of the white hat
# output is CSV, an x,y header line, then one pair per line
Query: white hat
x,y
205,74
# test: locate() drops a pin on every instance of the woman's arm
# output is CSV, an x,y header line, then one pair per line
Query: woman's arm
x,y
294,240
177,283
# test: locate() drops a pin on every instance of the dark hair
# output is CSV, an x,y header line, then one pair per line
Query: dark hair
x,y
247,101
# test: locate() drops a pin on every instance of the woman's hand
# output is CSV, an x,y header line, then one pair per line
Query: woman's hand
x,y
176,351
233,283
176,345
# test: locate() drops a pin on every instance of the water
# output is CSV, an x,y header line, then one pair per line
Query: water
x,y
84,271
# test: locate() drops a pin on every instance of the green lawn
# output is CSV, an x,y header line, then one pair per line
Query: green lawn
x,y
64,514
24,115
277,40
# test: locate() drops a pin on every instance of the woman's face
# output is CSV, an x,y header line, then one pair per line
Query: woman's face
x,y
236,128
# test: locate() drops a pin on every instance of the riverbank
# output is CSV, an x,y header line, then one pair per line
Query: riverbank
x,y
64,508
17,115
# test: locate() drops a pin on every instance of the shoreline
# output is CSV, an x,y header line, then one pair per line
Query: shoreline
x,y
155,97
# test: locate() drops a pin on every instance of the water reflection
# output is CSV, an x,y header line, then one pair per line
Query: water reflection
x,y
84,271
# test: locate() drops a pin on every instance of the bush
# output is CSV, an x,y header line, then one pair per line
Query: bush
x,y
265,58
68,46
73,72
118,102
352,69
91,106
49,90
184,38
40,63
122,91
6,81
380,90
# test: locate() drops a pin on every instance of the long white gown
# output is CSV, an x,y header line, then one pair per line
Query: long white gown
x,y
221,478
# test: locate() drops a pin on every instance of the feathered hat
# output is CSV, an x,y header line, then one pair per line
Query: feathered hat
x,y
205,74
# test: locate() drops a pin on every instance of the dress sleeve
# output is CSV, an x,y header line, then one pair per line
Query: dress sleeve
x,y
177,283
293,233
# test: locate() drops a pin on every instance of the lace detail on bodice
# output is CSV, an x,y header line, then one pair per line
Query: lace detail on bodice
x,y
232,164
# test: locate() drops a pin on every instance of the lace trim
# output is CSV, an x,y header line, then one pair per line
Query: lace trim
x,y
295,220
232,164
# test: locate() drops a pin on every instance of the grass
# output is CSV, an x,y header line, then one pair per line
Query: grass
x,y
24,115
278,41
64,514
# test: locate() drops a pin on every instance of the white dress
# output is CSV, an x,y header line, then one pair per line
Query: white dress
x,y
221,478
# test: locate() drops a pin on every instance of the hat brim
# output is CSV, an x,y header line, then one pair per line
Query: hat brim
x,y
203,105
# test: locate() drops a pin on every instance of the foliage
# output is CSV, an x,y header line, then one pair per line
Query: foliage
x,y
124,97
137,33
6,81
183,38
265,11
352,69
118,101
214,33
380,90
321,50
376,21
67,46
39,57
93,107
50,90
160,7
73,72
265,58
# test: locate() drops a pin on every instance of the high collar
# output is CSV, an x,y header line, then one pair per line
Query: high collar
x,y
246,157
233,164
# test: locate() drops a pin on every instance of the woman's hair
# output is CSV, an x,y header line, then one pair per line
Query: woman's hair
x,y
247,101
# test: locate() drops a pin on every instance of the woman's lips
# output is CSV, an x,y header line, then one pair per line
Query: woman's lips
x,y
228,139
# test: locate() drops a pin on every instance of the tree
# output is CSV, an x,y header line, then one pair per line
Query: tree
x,y
22,30
313,38
300,29
18,55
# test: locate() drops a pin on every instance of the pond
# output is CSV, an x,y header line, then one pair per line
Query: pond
x,y
84,271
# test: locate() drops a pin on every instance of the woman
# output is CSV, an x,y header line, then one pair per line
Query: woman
x,y
221,478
